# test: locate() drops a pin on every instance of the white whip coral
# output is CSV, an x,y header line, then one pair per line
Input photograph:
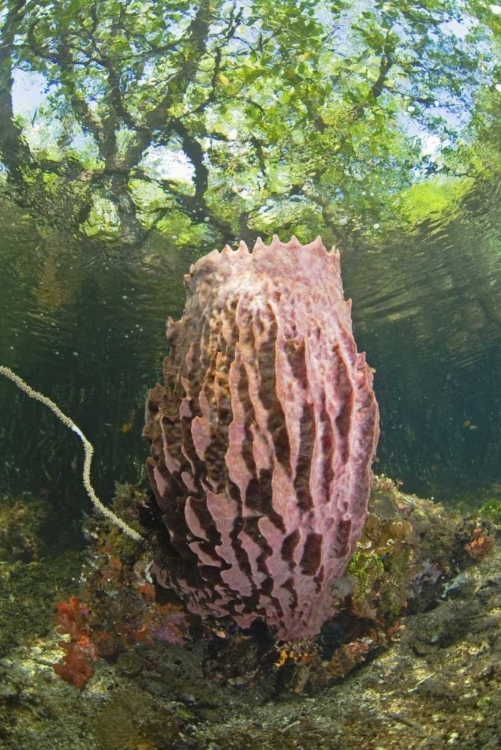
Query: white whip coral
x,y
87,446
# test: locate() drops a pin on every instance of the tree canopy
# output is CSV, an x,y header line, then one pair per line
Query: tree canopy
x,y
224,120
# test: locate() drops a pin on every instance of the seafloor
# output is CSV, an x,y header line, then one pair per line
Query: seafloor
x,y
433,681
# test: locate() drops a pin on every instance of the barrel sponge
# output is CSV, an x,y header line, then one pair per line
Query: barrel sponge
x,y
262,437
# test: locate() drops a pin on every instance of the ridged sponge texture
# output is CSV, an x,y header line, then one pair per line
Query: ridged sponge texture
x,y
262,437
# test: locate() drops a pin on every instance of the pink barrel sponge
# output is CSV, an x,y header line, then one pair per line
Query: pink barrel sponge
x,y
262,437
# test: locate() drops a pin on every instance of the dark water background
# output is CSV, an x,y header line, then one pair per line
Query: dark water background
x,y
86,327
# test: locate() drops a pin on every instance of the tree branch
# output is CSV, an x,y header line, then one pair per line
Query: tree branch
x,y
15,151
